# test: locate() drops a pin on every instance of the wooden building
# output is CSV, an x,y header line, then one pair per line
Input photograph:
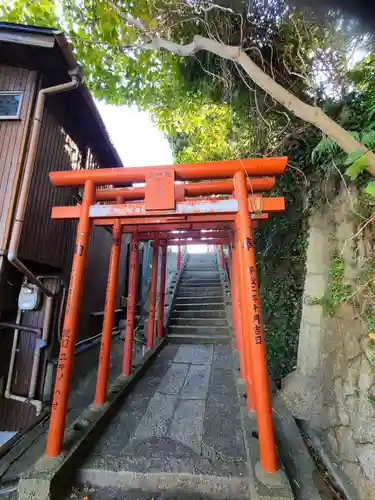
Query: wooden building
x,y
72,136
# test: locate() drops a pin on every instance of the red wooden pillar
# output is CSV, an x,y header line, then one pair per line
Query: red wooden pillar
x,y
109,314
163,272
69,332
130,307
178,257
252,314
221,250
245,326
152,306
236,307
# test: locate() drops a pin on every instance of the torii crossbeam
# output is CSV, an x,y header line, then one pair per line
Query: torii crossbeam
x,y
154,212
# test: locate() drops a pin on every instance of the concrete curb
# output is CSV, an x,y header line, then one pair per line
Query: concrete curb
x,y
298,463
180,483
49,476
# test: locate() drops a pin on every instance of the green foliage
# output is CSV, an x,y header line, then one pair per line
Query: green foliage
x,y
198,129
370,189
281,247
326,147
331,160
101,42
353,156
366,296
41,13
371,319
338,291
357,167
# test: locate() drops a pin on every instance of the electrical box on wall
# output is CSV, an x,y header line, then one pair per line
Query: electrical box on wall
x,y
29,297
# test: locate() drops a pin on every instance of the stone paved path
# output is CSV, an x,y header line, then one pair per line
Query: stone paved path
x,y
184,419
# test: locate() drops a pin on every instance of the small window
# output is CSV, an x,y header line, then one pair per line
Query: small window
x,y
10,105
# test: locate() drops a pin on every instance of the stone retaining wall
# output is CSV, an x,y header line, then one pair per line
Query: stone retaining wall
x,y
334,384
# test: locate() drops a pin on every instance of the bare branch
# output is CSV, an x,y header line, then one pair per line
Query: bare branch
x,y
128,18
306,112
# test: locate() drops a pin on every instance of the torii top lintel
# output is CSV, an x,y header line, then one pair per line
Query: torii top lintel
x,y
182,190
185,172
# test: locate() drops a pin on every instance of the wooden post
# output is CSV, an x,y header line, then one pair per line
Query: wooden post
x,y
163,272
236,308
221,250
70,327
152,306
109,315
178,258
246,328
252,314
130,307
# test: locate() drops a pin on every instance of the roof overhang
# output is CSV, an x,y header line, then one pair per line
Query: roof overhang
x,y
47,51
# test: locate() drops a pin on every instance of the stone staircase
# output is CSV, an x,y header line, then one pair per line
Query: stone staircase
x,y
198,315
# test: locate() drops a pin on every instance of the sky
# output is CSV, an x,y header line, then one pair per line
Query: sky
x,y
138,142
135,136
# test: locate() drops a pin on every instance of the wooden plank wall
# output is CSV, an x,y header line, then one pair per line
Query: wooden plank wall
x,y
47,245
43,240
96,280
13,137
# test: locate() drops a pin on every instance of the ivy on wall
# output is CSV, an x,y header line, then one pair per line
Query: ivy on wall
x,y
281,254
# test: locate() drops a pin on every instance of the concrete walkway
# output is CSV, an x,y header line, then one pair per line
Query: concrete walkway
x,y
185,432
181,429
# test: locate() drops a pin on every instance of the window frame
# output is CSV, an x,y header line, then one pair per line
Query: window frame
x,y
17,93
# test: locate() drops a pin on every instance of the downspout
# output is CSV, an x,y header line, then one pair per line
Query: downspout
x,y
27,176
39,345
8,394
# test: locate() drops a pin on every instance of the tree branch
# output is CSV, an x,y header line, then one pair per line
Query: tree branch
x,y
310,114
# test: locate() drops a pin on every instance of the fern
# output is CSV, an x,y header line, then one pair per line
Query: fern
x,y
325,147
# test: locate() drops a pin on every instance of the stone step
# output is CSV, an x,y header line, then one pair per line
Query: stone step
x,y
200,277
122,488
204,313
214,295
200,280
197,322
196,300
198,330
205,271
201,284
204,275
198,306
194,288
199,269
198,339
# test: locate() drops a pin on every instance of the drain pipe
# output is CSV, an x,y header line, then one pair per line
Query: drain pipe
x,y
8,395
39,345
27,176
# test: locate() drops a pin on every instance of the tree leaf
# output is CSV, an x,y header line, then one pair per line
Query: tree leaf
x,y
370,189
368,138
353,156
357,167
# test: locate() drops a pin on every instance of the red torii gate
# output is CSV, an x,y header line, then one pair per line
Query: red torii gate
x,y
166,207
